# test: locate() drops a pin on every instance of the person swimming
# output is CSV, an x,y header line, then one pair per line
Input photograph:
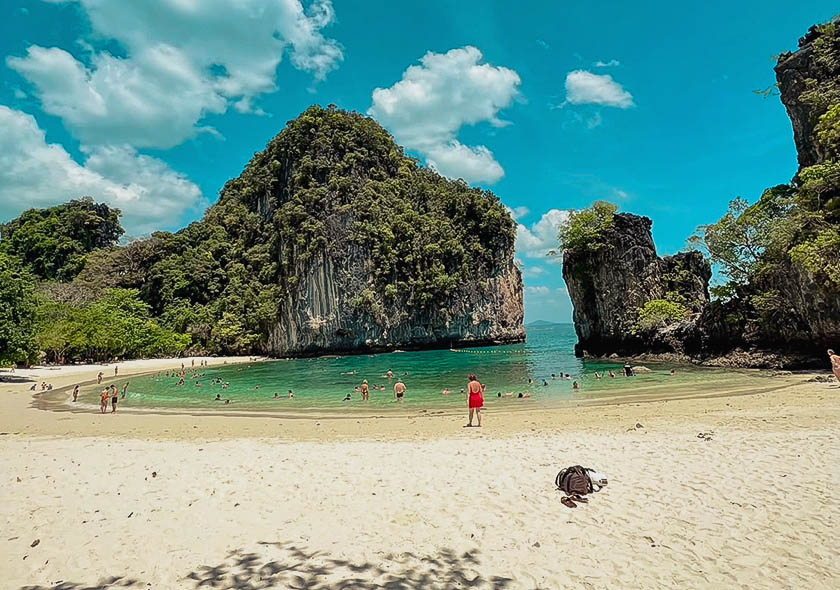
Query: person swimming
x,y
612,375
524,395
218,397
347,398
575,386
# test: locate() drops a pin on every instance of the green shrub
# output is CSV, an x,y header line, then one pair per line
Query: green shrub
x,y
658,313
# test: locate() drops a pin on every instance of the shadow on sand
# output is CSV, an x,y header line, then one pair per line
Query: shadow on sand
x,y
282,565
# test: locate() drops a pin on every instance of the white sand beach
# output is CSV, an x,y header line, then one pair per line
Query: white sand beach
x,y
179,501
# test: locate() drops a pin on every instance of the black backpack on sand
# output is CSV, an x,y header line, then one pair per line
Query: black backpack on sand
x,y
575,481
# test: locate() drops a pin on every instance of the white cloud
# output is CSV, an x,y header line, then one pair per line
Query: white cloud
x,y
531,271
185,59
607,64
34,173
538,240
584,87
456,160
518,212
538,290
594,121
426,109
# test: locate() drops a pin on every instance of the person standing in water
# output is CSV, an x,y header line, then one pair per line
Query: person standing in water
x,y
835,363
99,378
124,390
365,391
475,398
399,390
76,393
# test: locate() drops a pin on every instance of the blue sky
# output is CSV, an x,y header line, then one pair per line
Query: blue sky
x,y
152,105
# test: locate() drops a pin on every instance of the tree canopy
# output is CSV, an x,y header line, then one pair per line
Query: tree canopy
x,y
53,243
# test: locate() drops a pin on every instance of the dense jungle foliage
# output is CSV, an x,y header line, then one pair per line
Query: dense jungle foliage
x,y
333,184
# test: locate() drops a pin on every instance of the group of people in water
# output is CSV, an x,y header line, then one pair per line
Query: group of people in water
x,y
474,390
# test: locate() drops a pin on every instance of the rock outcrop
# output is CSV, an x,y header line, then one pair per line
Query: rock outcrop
x,y
809,82
786,313
332,240
609,286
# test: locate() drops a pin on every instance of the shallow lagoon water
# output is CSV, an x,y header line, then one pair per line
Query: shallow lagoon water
x,y
319,385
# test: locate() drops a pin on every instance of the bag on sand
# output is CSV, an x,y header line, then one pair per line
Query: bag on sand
x,y
576,481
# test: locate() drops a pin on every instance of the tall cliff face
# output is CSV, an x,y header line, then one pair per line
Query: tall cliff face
x,y
809,83
609,286
333,240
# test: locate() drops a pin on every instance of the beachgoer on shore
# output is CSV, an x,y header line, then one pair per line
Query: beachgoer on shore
x,y
75,393
114,399
475,399
835,363
103,401
399,390
116,371
365,391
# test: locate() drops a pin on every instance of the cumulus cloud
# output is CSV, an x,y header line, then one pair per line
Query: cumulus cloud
x,y
518,212
541,238
426,109
34,173
538,290
184,60
584,87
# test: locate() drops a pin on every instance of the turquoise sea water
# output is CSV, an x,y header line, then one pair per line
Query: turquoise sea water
x,y
318,383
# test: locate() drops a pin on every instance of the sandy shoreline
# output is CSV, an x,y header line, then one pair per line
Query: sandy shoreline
x,y
418,501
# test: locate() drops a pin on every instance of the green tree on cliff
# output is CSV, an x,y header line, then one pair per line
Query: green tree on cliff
x,y
583,229
54,242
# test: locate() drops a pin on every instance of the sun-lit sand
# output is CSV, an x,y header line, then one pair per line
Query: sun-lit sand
x,y
146,500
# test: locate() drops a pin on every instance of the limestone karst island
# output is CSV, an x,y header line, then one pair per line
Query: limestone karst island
x,y
453,295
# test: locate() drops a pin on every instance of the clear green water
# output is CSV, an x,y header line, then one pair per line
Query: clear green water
x,y
318,383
